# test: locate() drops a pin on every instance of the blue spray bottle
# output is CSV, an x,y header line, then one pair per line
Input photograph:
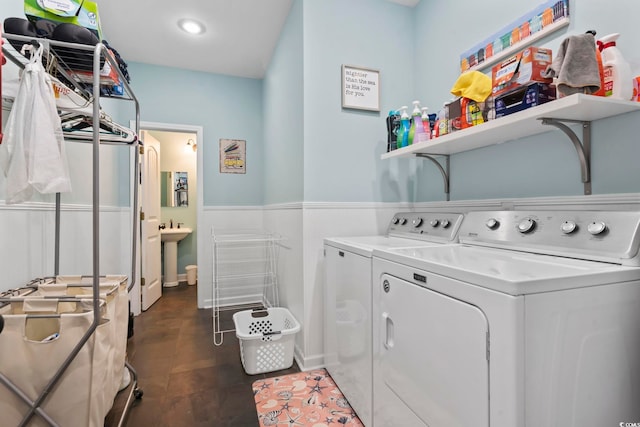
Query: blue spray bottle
x,y
405,127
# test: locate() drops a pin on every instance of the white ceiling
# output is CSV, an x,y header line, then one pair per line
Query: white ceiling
x,y
239,41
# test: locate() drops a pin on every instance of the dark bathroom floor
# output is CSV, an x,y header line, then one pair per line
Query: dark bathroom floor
x,y
186,380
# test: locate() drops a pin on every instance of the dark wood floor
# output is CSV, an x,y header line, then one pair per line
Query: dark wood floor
x,y
186,380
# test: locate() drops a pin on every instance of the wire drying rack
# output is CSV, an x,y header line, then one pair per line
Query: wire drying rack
x,y
244,273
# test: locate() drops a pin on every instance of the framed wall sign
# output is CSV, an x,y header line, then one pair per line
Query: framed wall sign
x,y
360,88
233,156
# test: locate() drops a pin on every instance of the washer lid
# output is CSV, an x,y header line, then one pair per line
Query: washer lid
x,y
507,271
364,245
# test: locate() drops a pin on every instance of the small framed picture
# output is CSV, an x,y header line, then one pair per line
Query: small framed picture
x,y
360,88
233,156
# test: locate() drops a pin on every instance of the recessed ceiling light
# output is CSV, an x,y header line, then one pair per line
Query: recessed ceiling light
x,y
190,26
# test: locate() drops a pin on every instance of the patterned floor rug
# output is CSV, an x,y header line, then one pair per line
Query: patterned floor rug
x,y
308,399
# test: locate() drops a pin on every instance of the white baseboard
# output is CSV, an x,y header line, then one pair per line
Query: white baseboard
x,y
308,363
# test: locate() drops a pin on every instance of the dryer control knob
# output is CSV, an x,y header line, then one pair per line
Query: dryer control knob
x,y
596,227
403,221
492,224
569,227
434,222
526,225
445,223
395,220
417,222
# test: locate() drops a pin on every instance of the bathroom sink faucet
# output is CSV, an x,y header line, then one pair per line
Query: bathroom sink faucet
x,y
171,223
179,224
162,226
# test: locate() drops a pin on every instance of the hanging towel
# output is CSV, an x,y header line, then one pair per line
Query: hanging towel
x,y
575,66
32,155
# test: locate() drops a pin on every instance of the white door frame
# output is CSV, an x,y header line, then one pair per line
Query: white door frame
x,y
199,131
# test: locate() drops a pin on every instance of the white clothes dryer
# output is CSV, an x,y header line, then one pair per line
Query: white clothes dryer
x,y
533,320
348,298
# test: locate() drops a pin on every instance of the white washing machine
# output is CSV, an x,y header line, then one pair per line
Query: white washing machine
x,y
533,320
348,298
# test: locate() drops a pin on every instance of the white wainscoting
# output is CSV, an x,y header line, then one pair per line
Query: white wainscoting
x,y
28,236
221,218
286,221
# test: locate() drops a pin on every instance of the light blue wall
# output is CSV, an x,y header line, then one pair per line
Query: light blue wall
x,y
544,165
283,115
226,107
343,146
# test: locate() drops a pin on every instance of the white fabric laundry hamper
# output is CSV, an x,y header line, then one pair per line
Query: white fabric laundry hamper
x,y
31,353
113,290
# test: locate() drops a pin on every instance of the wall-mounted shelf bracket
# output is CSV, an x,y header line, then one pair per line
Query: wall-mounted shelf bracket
x,y
444,171
583,148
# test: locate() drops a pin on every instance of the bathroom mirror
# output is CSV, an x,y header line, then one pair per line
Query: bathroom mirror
x,y
174,189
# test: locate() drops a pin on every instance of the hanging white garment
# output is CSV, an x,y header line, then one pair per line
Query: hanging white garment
x,y
32,155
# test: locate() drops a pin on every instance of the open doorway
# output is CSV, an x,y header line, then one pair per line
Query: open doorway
x,y
180,197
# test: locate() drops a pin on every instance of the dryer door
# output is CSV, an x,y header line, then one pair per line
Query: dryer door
x,y
432,369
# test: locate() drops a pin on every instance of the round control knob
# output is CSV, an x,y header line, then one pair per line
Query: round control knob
x,y
395,220
492,224
417,222
596,227
568,227
403,221
445,223
526,225
434,222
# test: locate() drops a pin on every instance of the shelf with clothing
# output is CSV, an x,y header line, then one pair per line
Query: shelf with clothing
x,y
575,109
74,72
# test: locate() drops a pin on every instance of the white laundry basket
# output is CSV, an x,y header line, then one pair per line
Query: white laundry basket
x,y
267,339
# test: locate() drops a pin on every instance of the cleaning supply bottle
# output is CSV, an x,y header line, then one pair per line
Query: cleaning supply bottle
x,y
601,91
618,82
416,132
405,127
425,123
435,131
443,120
393,123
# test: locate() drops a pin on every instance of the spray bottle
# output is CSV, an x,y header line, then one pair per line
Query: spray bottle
x,y
618,82
405,127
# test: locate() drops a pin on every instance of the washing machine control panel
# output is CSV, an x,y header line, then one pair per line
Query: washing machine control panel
x,y
436,226
594,235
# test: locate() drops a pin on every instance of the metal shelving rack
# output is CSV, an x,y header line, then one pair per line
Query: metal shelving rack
x,y
245,265
62,58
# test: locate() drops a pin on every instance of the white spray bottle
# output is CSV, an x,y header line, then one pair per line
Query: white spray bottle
x,y
618,82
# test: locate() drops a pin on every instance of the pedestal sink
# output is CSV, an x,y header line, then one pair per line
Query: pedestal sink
x,y
170,238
